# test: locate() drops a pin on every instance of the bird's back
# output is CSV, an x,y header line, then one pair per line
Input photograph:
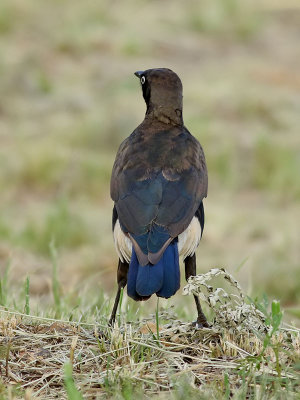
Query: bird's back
x,y
159,179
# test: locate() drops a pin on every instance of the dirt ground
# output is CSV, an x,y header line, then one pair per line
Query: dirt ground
x,y
69,98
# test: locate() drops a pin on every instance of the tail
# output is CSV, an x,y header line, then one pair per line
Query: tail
x,y
162,278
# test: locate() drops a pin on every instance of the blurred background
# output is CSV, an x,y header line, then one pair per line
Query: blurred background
x,y
69,97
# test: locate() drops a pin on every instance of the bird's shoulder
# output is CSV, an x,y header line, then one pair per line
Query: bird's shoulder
x,y
160,146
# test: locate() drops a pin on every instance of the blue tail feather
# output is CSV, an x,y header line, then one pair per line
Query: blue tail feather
x,y
162,278
149,279
131,277
171,279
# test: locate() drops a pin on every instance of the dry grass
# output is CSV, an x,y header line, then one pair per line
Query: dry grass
x,y
70,98
47,358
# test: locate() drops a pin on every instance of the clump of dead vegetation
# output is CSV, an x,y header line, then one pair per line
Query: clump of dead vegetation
x,y
247,352
230,309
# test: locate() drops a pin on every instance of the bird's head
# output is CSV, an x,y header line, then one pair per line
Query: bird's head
x,y
162,91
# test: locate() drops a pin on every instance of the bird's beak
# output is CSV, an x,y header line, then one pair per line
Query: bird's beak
x,y
138,73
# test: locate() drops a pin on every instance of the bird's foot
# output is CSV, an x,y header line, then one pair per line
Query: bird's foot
x,y
201,323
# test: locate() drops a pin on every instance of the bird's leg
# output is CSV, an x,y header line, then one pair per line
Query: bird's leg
x,y
190,270
122,281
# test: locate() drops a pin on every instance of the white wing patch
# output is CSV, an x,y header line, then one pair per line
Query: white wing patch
x,y
122,243
188,241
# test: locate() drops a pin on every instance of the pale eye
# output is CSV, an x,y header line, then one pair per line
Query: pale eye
x,y
143,79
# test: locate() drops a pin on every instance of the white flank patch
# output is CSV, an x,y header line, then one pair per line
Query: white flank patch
x,y
122,243
188,241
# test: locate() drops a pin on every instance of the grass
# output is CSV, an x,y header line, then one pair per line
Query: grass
x,y
227,17
160,356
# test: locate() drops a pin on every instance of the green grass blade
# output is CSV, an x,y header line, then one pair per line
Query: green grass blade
x,y
157,322
55,282
72,392
3,285
27,307
120,305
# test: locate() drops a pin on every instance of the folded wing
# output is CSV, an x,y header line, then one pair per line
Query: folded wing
x,y
156,197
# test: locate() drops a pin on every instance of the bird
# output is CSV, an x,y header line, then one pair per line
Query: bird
x,y
158,183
